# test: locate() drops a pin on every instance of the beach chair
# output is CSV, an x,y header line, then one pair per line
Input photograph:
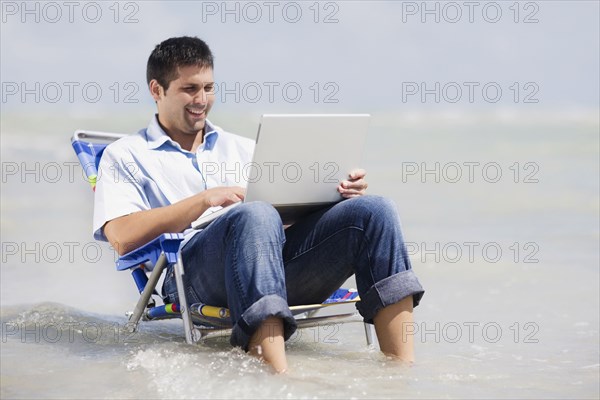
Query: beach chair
x,y
147,263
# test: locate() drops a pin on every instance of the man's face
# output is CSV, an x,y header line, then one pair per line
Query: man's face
x,y
183,108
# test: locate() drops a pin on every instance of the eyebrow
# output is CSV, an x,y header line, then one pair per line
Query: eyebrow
x,y
197,84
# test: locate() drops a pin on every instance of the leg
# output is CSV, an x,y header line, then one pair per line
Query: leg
x,y
390,323
268,344
362,236
236,263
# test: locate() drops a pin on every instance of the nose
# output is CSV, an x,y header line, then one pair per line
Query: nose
x,y
201,97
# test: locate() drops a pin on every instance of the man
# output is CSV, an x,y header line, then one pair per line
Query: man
x,y
153,183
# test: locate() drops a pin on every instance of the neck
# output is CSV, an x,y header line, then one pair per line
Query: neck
x,y
186,141
198,140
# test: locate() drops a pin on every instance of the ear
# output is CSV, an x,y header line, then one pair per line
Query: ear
x,y
156,90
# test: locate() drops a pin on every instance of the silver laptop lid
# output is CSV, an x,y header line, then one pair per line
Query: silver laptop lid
x,y
301,158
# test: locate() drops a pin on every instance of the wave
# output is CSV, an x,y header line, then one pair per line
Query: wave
x,y
59,324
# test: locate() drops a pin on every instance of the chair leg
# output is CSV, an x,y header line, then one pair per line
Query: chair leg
x,y
369,334
192,335
142,303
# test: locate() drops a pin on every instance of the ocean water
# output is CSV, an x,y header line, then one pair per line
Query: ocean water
x,y
501,219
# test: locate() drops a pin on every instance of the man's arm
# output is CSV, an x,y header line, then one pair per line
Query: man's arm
x,y
129,232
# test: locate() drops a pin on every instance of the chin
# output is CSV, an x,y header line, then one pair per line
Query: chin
x,y
200,125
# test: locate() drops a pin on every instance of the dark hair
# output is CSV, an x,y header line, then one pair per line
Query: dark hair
x,y
177,52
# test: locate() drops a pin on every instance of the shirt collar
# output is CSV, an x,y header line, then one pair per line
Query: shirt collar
x,y
210,137
156,136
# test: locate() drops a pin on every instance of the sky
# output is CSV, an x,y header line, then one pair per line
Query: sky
x,y
460,58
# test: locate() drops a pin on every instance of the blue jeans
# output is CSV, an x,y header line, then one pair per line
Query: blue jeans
x,y
247,262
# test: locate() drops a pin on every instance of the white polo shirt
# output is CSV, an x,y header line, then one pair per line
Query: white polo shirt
x,y
148,170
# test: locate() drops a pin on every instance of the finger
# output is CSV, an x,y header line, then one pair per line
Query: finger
x,y
230,199
353,191
358,173
235,197
239,191
360,184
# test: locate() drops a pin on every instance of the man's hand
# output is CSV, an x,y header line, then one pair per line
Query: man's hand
x,y
356,185
131,231
224,196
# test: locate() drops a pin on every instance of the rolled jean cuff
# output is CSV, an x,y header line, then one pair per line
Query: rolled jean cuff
x,y
268,306
390,291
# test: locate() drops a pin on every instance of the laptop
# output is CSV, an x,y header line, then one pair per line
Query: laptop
x,y
299,161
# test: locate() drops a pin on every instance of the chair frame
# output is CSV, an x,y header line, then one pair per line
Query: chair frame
x,y
199,320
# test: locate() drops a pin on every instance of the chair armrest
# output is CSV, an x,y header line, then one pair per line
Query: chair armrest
x,y
167,243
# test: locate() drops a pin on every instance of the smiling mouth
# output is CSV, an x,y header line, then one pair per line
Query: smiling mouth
x,y
196,113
